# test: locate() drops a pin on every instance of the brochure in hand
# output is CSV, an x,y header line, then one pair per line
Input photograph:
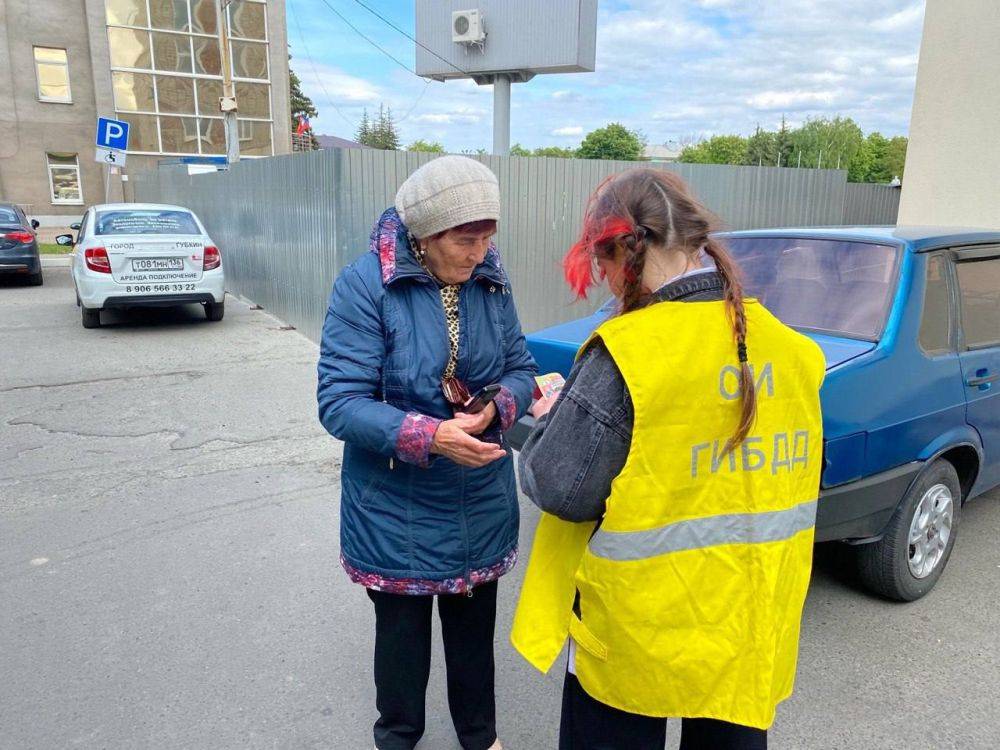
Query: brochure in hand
x,y
549,385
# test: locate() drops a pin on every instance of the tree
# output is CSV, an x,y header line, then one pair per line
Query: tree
x,y
719,149
300,103
836,143
861,165
896,156
693,153
364,134
826,143
385,129
761,149
879,145
552,151
613,141
425,147
379,132
555,152
783,145
872,162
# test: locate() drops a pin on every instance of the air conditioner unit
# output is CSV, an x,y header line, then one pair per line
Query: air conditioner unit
x,y
468,27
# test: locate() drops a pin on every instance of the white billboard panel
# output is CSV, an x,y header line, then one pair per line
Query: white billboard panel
x,y
477,38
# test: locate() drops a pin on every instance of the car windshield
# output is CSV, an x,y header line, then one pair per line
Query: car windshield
x,y
830,286
7,216
152,221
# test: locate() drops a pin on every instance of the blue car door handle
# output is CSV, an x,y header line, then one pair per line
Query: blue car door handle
x,y
983,378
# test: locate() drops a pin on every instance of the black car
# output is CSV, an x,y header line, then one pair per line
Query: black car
x,y
18,245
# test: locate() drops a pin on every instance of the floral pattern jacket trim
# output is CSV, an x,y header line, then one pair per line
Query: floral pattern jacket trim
x,y
424,587
416,436
506,408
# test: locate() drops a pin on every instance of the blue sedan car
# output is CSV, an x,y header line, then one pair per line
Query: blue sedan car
x,y
18,245
909,321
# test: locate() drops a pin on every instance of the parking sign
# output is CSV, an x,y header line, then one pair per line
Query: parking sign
x,y
112,134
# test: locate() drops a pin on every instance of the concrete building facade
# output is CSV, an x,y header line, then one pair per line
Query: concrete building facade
x,y
953,158
156,64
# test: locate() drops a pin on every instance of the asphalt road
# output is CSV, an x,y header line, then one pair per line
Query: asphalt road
x,y
169,575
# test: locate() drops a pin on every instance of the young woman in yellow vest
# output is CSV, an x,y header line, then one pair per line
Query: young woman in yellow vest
x,y
678,471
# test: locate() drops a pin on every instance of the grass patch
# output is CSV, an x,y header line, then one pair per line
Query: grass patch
x,y
51,248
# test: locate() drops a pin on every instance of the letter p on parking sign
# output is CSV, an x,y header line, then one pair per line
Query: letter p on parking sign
x,y
112,134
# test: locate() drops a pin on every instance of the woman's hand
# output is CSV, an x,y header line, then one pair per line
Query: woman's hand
x,y
476,424
453,441
543,405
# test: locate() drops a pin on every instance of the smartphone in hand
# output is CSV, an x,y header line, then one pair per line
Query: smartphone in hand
x,y
481,400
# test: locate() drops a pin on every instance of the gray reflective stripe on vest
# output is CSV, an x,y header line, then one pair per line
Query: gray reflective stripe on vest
x,y
736,528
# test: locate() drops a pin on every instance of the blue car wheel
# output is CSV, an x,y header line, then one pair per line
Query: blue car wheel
x,y
909,559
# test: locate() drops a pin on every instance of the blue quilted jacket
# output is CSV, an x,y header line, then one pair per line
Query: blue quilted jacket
x,y
407,514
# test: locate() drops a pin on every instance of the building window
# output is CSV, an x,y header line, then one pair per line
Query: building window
x,y
213,136
179,134
129,49
254,100
167,74
126,12
64,178
52,73
209,93
207,56
255,138
172,52
175,95
247,20
143,134
169,14
249,60
133,92
203,18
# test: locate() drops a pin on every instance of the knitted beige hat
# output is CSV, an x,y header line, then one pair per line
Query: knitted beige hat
x,y
447,192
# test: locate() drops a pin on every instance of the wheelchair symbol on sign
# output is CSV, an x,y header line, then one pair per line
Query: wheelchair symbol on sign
x,y
111,157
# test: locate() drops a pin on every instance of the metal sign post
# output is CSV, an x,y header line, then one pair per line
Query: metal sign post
x,y
501,115
112,144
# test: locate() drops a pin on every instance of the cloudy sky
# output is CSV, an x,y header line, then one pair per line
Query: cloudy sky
x,y
673,69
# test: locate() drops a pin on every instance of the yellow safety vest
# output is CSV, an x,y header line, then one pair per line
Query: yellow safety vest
x,y
691,589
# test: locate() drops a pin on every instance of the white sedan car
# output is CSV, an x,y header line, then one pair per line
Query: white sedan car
x,y
144,255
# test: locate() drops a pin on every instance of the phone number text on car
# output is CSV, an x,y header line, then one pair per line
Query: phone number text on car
x,y
149,288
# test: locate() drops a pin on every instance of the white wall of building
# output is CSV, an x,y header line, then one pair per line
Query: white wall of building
x,y
953,161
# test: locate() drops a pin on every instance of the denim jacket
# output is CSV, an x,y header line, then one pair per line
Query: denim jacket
x,y
572,456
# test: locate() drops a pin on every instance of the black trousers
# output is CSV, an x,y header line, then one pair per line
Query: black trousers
x,y
403,664
588,724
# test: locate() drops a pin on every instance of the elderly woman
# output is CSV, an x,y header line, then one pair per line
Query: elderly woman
x,y
428,500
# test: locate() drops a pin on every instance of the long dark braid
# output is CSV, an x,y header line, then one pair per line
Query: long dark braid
x,y
634,293
733,293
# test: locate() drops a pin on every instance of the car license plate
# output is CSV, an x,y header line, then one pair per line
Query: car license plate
x,y
157,264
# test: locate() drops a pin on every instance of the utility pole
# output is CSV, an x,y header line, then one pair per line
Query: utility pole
x,y
227,104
